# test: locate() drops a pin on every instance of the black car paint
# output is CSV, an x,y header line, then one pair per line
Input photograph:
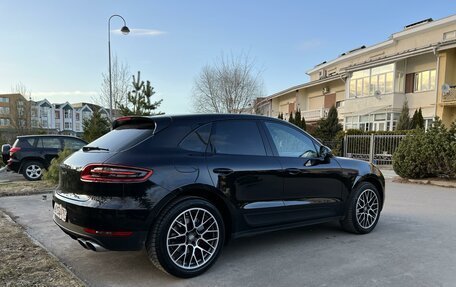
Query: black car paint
x,y
248,190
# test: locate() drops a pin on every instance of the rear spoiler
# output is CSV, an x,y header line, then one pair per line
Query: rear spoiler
x,y
153,123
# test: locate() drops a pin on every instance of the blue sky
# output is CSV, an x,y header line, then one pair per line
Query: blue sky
x,y
58,49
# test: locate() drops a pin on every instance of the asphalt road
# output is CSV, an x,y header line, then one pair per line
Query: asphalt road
x,y
413,245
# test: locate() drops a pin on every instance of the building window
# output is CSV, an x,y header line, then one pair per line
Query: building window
x,y
57,114
67,114
77,116
4,100
68,126
57,125
374,81
34,112
78,126
339,104
4,122
4,110
424,81
449,35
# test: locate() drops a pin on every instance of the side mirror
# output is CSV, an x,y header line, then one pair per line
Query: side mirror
x,y
325,152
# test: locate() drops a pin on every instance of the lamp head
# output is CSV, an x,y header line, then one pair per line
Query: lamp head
x,y
125,30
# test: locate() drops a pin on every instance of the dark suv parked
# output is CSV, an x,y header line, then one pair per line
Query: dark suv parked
x,y
29,155
181,186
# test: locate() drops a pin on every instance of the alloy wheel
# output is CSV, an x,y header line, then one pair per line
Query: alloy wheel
x,y
33,171
193,238
367,208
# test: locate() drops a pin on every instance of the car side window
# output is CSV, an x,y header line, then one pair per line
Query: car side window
x,y
197,140
47,142
73,144
289,142
237,137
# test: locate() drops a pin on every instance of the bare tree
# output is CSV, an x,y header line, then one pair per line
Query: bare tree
x,y
20,111
230,85
121,79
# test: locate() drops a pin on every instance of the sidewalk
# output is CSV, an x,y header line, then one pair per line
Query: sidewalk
x,y
388,172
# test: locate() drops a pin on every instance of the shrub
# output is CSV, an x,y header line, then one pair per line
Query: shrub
x,y
52,174
427,154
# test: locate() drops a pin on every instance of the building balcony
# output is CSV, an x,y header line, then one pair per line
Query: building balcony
x,y
391,101
449,98
314,115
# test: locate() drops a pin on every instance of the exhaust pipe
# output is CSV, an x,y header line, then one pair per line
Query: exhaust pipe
x,y
82,242
90,245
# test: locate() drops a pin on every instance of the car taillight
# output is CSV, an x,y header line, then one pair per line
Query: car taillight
x,y
114,173
13,150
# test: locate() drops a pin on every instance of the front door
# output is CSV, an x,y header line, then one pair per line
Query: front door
x,y
243,168
312,186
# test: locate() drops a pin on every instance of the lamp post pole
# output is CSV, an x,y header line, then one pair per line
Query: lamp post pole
x,y
124,31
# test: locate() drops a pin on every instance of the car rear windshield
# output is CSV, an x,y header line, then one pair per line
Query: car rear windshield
x,y
121,138
24,142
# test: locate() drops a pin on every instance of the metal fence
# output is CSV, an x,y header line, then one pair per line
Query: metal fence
x,y
378,149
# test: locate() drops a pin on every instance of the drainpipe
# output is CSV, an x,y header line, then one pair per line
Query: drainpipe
x,y
437,84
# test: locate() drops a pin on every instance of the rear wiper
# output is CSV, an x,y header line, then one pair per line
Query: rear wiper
x,y
89,148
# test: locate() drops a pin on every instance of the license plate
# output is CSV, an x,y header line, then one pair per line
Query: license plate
x,y
60,212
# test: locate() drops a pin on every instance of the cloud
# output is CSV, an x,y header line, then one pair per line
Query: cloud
x,y
141,32
309,44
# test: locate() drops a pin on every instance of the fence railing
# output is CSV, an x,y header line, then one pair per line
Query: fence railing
x,y
317,114
378,149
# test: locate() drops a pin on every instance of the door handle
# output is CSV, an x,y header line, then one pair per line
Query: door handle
x,y
293,171
224,171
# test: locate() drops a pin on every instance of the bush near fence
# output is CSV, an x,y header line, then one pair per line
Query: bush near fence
x,y
427,154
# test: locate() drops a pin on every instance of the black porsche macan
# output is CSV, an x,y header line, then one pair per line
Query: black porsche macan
x,y
182,186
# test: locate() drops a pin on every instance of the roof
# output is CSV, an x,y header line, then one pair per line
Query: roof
x,y
207,117
395,36
305,85
47,135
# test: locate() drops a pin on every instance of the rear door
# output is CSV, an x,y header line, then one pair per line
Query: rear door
x,y
49,148
241,165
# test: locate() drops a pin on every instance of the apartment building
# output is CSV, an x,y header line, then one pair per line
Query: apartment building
x,y
369,85
63,118
14,111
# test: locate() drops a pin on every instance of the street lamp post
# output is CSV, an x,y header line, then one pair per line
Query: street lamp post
x,y
124,31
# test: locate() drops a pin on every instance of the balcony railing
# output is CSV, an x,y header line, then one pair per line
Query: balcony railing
x,y
314,115
450,96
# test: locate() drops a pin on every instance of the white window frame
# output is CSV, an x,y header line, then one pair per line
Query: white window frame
x,y
418,87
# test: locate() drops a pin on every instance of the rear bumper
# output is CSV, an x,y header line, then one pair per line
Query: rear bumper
x,y
131,243
81,217
13,165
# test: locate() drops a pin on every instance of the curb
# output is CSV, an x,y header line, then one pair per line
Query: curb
x,y
428,181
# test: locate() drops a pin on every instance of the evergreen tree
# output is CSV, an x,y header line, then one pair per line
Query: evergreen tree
x,y
404,120
139,99
95,127
297,119
327,128
280,116
420,119
413,122
291,119
303,124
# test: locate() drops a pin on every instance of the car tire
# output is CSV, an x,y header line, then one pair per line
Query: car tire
x,y
363,209
32,170
191,227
